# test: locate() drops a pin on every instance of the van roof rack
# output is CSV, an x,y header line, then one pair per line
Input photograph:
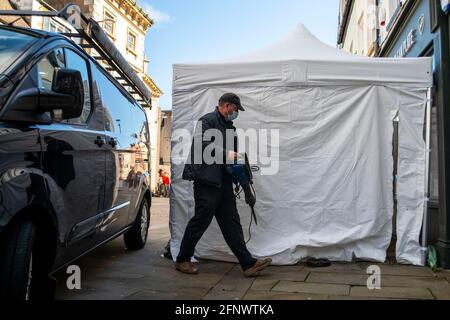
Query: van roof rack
x,y
95,38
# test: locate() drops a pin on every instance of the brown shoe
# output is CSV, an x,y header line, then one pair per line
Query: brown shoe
x,y
257,267
186,267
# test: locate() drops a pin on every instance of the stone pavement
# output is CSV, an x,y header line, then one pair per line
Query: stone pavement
x,y
111,272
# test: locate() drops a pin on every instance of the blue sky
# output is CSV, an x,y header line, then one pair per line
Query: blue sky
x,y
203,30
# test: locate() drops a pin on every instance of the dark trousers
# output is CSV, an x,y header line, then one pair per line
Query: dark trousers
x,y
221,203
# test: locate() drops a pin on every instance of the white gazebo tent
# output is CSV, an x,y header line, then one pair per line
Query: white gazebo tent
x,y
325,118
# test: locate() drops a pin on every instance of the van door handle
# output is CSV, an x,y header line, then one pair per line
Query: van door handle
x,y
99,141
113,142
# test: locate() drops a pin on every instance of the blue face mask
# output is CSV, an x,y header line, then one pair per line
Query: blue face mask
x,y
233,116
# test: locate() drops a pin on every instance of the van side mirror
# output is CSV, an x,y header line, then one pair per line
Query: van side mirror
x,y
66,99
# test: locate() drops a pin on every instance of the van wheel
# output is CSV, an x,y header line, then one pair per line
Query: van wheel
x,y
18,261
136,237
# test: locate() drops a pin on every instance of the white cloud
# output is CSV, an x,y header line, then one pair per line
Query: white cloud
x,y
157,15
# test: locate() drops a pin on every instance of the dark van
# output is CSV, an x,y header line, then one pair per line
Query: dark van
x,y
74,150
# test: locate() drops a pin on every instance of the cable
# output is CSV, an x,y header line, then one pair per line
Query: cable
x,y
251,217
249,229
238,192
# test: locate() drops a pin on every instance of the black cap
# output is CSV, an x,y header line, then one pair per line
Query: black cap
x,y
231,98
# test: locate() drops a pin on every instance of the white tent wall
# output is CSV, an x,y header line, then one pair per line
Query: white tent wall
x,y
333,193
411,195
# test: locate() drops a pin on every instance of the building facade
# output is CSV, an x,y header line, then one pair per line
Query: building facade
x,y
14,5
165,140
360,35
154,118
419,28
363,24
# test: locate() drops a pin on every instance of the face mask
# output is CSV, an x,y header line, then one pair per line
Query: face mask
x,y
233,116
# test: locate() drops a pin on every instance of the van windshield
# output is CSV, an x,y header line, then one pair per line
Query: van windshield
x,y
12,44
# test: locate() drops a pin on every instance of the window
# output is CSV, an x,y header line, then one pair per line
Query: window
x,y
75,61
393,8
116,106
12,44
131,41
53,26
46,68
109,23
65,58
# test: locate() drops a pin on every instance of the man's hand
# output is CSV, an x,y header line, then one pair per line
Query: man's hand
x,y
232,156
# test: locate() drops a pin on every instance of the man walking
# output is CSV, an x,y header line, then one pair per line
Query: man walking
x,y
213,190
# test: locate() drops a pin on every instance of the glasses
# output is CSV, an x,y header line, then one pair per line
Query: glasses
x,y
235,108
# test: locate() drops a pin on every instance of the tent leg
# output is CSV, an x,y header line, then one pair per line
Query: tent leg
x,y
424,242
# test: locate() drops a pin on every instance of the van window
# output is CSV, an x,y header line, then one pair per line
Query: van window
x,y
118,113
142,140
65,58
12,44
47,66
75,61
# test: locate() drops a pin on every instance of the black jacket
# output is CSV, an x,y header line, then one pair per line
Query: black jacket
x,y
211,174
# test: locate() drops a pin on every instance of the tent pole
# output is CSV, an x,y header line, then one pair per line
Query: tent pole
x,y
424,241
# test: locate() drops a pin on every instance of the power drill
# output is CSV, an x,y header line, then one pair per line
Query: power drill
x,y
241,174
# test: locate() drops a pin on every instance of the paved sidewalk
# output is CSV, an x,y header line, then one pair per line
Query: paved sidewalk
x,y
111,272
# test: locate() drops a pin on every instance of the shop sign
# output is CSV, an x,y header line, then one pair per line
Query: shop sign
x,y
411,39
406,45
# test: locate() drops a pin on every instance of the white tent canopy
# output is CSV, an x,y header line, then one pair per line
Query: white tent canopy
x,y
303,60
300,43
332,195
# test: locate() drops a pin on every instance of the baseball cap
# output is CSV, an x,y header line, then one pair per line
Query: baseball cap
x,y
231,98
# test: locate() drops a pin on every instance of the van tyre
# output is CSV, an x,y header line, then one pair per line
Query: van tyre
x,y
136,237
18,261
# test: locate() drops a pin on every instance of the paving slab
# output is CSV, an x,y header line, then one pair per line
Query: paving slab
x,y
181,294
400,270
220,294
261,284
234,281
296,273
208,266
354,279
444,274
441,292
175,283
262,295
413,282
312,288
392,292
338,298
96,290
337,267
